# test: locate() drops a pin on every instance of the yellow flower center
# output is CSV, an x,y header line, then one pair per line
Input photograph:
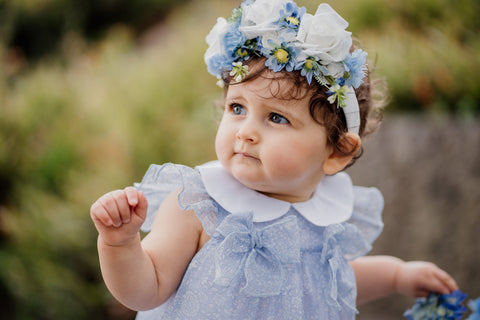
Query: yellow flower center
x,y
309,64
242,52
293,20
281,55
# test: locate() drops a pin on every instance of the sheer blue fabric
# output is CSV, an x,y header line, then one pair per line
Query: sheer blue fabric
x,y
286,268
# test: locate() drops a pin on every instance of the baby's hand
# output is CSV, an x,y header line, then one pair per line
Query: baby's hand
x,y
418,279
118,215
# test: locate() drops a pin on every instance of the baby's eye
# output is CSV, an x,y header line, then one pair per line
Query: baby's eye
x,y
237,109
276,118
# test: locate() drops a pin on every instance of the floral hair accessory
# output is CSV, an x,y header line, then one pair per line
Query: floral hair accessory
x,y
289,38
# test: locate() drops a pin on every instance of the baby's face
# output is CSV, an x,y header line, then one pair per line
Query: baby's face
x,y
270,144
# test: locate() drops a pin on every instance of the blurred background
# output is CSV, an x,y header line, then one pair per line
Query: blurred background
x,y
92,92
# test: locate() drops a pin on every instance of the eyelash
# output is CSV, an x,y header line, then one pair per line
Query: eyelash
x,y
274,117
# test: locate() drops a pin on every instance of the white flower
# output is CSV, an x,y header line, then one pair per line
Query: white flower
x,y
215,39
239,71
324,36
220,82
335,69
261,16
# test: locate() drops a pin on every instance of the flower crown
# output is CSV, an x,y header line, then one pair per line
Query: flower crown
x,y
291,39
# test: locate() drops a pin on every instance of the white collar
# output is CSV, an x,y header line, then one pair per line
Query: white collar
x,y
332,201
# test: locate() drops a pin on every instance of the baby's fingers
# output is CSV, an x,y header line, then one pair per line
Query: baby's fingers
x,y
447,282
137,201
132,196
438,281
141,208
116,208
121,203
99,214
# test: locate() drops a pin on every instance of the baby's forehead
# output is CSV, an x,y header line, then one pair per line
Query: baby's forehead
x,y
277,85
269,89
276,99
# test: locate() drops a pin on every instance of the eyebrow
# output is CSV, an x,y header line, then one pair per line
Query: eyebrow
x,y
235,98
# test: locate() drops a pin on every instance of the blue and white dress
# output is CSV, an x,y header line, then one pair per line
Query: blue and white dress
x,y
267,258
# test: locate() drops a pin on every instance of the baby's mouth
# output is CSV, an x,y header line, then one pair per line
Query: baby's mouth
x,y
246,155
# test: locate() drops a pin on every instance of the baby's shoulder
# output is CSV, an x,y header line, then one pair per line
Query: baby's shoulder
x,y
186,185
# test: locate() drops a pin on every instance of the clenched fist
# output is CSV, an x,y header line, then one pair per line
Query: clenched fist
x,y
118,215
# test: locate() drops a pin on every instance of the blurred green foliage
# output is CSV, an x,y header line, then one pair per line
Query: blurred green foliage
x,y
427,50
75,127
50,20
91,115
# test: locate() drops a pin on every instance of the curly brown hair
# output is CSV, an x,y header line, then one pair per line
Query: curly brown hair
x,y
370,101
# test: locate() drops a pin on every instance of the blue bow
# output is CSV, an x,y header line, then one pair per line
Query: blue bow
x,y
261,253
332,254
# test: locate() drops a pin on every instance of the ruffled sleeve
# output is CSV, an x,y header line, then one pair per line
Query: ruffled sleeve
x,y
161,180
366,221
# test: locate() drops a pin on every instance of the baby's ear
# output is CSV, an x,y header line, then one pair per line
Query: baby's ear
x,y
350,143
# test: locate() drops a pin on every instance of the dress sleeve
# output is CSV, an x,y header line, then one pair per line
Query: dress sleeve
x,y
161,180
366,221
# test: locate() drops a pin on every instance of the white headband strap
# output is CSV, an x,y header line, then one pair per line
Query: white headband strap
x,y
352,111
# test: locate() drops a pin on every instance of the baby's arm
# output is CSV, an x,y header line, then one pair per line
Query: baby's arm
x,y
142,275
380,276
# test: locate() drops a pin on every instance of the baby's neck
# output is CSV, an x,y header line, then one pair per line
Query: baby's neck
x,y
287,197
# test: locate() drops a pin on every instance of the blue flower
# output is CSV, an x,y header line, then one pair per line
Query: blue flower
x,y
310,68
355,67
438,307
475,307
291,16
219,63
244,51
279,56
234,40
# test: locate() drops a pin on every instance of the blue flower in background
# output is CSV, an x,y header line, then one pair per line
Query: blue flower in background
x,y
474,305
355,66
438,307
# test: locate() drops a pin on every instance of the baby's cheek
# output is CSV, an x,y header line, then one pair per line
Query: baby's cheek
x,y
295,161
285,164
220,143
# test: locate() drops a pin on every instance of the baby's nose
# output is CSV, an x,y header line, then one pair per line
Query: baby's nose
x,y
248,132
